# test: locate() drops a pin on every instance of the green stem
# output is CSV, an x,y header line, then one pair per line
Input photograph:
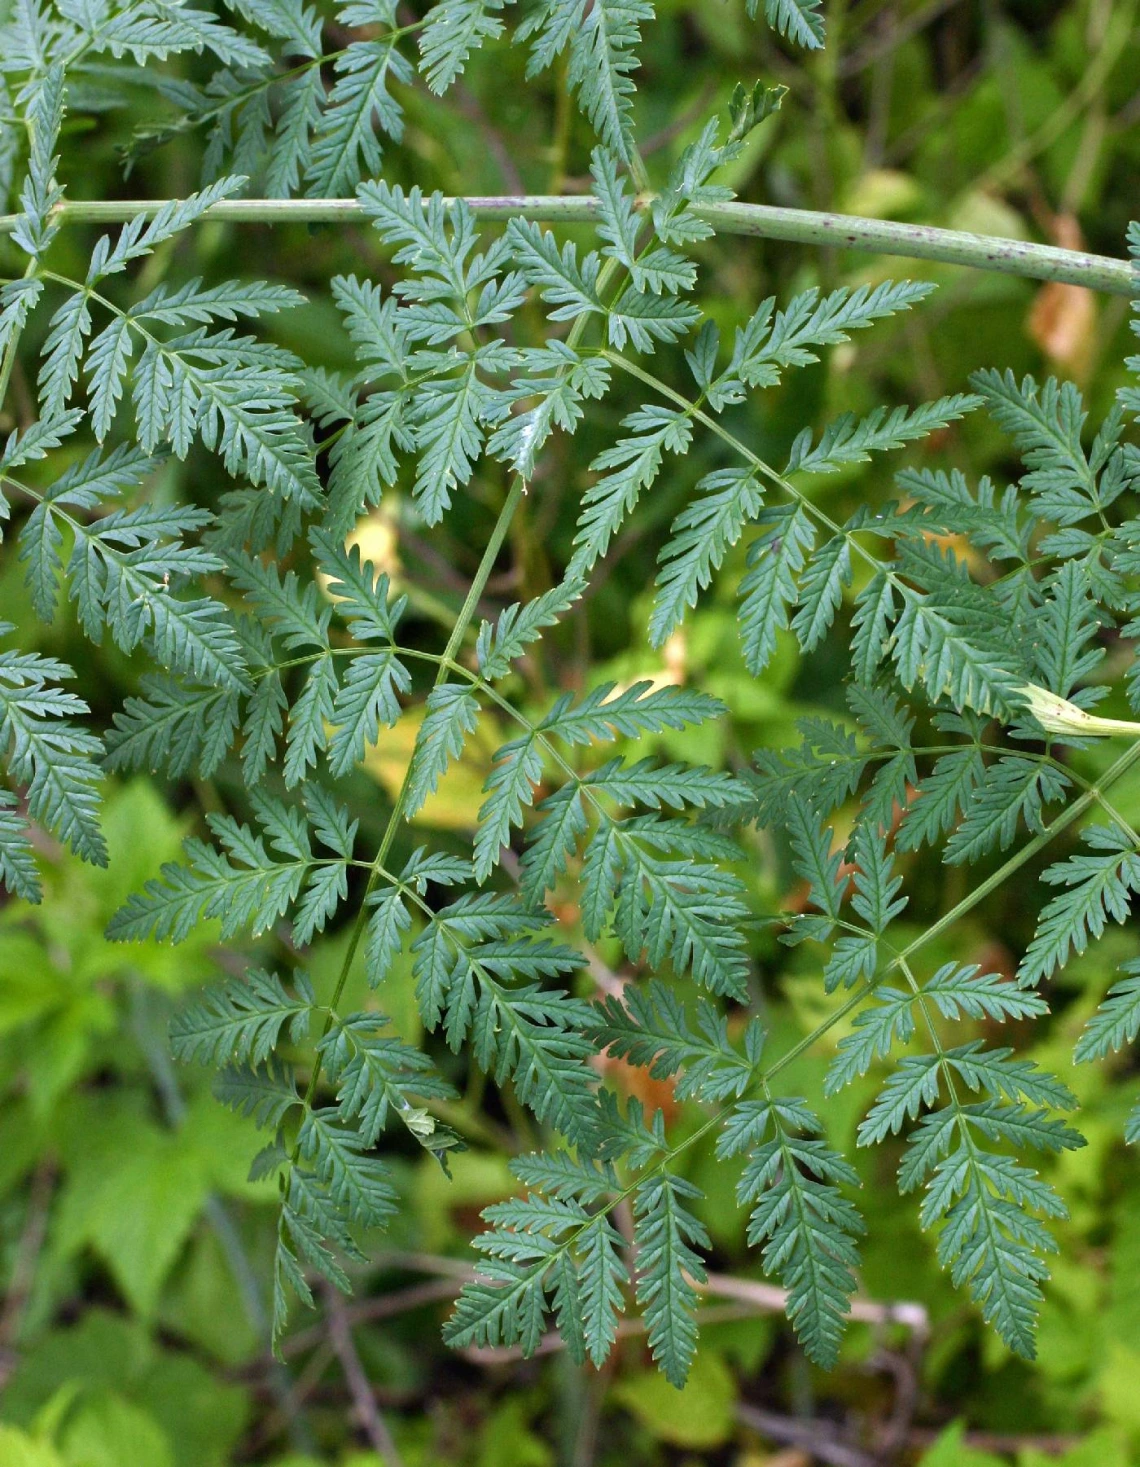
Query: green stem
x,y
454,643
695,411
901,960
1027,852
758,221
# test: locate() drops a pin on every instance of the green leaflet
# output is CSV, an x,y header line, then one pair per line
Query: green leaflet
x,y
248,884
668,1267
242,1021
548,1242
49,755
345,146
799,20
702,535
1116,1022
17,863
1097,887
453,30
601,41
992,1239
377,1076
805,1224
651,1028
451,715
174,727
631,467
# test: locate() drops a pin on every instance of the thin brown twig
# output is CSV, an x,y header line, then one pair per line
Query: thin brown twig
x,y
825,1441
766,1298
360,1389
769,1299
552,1343
284,1412
610,983
752,1296
387,1306
904,1365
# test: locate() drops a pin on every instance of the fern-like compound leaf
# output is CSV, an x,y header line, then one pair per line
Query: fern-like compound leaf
x,y
606,713
772,341
18,869
989,1206
365,703
359,1186
566,284
242,1020
630,467
800,20
519,625
806,1225
668,1268
378,1076
601,37
941,797
174,726
1117,1021
667,900
655,270
650,1028
346,148
509,789
1014,789
701,537
47,753
776,560
267,656
452,713
850,440
265,1092
245,885
453,29
1098,886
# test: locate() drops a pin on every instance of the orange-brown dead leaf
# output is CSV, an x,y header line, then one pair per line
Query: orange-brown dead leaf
x,y
1062,320
637,1081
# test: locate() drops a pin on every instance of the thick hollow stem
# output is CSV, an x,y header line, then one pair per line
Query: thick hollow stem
x,y
760,221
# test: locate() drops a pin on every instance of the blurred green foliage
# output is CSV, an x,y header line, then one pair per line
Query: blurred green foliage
x,y
133,1245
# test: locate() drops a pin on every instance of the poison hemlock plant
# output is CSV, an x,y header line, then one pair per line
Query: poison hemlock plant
x,y
267,639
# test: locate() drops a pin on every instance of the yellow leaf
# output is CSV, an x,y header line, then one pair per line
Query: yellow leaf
x,y
455,805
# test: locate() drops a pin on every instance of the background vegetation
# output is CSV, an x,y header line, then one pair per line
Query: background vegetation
x,y
134,1249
